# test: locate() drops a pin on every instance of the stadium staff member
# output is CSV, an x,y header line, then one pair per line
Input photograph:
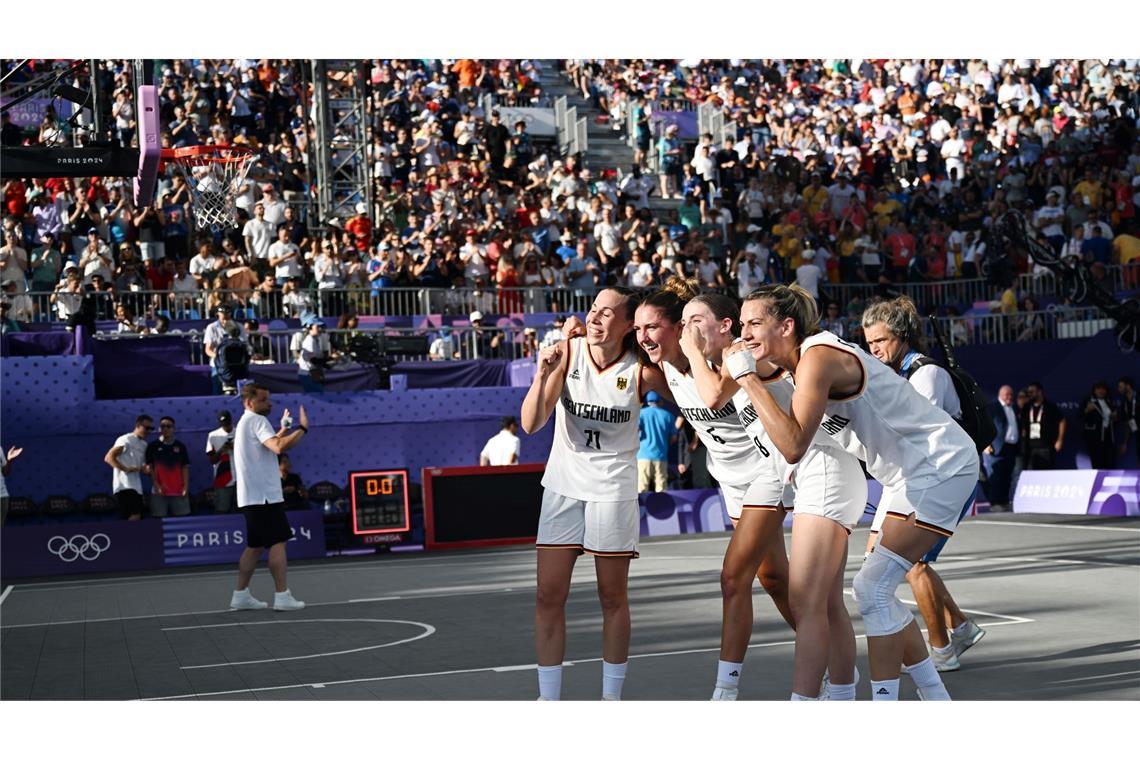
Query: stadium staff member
x,y
503,447
259,495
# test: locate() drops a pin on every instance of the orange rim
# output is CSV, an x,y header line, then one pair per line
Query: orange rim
x,y
197,155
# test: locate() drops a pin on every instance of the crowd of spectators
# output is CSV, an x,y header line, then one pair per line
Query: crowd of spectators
x,y
831,171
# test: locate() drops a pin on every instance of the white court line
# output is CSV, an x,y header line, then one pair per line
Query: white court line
x,y
1052,525
5,594
428,631
1041,560
502,668
1094,678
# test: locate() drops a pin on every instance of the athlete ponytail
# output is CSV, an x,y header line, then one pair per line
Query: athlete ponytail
x,y
790,302
670,298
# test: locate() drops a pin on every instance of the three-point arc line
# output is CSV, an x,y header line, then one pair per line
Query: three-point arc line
x,y
428,630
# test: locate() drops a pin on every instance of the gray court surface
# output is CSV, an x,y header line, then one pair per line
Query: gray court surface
x,y
1058,597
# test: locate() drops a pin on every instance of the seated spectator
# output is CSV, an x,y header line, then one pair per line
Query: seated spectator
x,y
292,488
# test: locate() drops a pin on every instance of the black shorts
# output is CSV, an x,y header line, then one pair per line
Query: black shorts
x,y
130,503
266,525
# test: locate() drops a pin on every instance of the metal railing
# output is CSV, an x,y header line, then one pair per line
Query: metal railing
x,y
1046,324
455,344
413,301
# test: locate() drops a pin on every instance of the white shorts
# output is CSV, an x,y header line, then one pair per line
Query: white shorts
x,y
604,528
766,494
830,484
937,509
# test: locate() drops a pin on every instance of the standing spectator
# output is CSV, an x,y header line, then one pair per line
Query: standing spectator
x,y
45,265
223,328
128,458
168,464
484,343
1099,418
292,487
20,305
260,498
285,257
655,428
258,234
671,156
220,450
1129,414
273,205
5,470
1001,455
1043,430
502,448
808,274
833,321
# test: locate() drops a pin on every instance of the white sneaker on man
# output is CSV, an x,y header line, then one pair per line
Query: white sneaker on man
x,y
243,600
967,638
283,600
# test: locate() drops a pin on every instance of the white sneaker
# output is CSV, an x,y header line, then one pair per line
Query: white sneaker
x,y
611,698
243,600
283,600
944,662
972,635
724,694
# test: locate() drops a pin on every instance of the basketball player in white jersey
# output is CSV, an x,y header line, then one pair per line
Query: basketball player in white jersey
x,y
894,336
927,464
830,496
756,549
590,501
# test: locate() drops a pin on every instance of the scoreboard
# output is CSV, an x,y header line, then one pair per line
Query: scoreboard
x,y
379,502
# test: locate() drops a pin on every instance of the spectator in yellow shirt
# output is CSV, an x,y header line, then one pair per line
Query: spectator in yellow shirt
x,y
815,194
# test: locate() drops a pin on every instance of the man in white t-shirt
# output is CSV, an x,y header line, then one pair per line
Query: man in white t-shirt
x,y
220,451
127,458
259,234
5,470
808,274
274,206
840,194
1049,219
502,448
285,257
259,496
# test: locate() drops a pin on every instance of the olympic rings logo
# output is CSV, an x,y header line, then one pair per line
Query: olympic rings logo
x,y
79,547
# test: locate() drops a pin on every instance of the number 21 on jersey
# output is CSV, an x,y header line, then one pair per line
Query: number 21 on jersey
x,y
593,439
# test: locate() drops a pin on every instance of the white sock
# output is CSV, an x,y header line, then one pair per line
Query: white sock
x,y
550,682
928,681
841,692
960,629
885,690
800,698
241,592
613,678
728,674
948,649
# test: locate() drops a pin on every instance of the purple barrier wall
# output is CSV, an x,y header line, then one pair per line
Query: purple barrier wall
x,y
42,550
48,408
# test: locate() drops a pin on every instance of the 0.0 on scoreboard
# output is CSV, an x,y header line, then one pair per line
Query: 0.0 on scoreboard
x,y
379,502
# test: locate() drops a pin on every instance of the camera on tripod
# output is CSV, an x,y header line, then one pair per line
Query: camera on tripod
x,y
384,351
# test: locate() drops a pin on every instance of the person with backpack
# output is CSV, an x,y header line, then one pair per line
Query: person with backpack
x,y
894,337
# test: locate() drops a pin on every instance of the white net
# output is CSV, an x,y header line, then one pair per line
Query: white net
x,y
214,180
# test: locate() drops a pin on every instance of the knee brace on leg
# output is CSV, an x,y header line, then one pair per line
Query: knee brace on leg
x,y
875,585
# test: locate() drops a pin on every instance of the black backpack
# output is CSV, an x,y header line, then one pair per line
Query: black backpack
x,y
975,416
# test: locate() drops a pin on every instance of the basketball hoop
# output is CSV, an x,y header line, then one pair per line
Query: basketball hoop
x,y
214,174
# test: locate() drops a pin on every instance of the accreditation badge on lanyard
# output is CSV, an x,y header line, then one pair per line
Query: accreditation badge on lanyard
x,y
1132,416
1035,424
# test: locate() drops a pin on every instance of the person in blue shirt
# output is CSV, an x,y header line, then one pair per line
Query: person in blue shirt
x,y
1097,247
566,250
656,430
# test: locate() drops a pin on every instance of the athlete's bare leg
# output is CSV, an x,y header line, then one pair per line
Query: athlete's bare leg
x,y
756,550
555,566
613,592
819,552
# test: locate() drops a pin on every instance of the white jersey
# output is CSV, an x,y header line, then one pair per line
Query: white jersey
x,y
594,455
901,436
781,387
732,458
